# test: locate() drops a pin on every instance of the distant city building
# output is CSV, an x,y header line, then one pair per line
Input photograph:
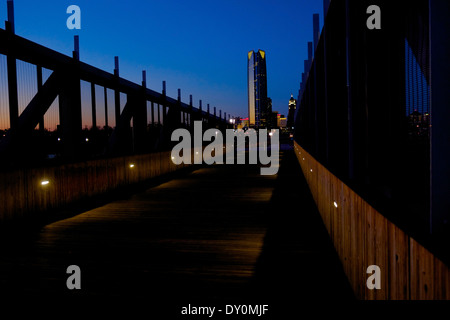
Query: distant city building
x,y
258,103
291,114
418,124
241,123
274,120
282,121
275,116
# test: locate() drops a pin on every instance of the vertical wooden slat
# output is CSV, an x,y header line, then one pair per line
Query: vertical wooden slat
x,y
422,272
381,253
357,247
338,216
398,264
347,230
328,204
442,280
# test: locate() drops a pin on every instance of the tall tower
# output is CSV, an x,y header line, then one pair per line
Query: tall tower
x,y
291,114
258,113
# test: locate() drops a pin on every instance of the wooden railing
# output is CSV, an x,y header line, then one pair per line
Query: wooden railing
x,y
26,193
363,237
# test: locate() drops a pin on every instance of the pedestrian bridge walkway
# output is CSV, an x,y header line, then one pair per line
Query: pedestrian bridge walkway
x,y
217,234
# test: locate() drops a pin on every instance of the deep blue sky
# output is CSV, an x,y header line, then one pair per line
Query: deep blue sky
x,y
198,46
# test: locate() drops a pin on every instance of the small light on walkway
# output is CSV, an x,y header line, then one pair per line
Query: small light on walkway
x,y
45,182
132,165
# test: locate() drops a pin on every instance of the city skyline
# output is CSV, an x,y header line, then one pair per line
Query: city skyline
x,y
202,52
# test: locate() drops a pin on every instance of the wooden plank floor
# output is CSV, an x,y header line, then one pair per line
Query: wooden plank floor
x,y
220,234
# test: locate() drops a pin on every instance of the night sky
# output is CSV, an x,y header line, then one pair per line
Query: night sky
x,y
198,46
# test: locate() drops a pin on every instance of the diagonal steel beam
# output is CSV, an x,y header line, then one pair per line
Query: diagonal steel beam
x,y
33,113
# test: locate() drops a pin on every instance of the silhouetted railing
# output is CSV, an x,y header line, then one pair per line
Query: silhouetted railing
x,y
133,104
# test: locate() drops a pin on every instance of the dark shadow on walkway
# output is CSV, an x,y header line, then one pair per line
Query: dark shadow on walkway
x,y
298,265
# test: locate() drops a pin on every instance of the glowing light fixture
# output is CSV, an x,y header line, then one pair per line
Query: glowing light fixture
x,y
335,204
45,182
132,165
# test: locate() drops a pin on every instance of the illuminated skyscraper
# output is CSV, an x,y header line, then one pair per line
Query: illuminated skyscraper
x,y
292,107
258,112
